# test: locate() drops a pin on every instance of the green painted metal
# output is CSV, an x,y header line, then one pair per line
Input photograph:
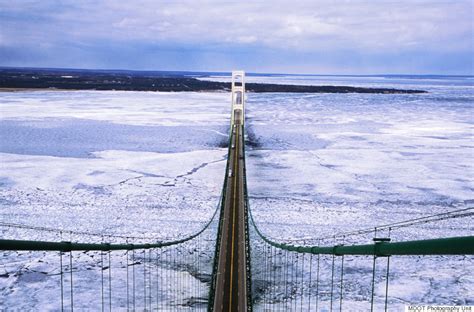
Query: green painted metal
x,y
6,244
462,245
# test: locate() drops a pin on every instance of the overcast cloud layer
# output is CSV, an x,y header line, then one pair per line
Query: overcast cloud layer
x,y
350,37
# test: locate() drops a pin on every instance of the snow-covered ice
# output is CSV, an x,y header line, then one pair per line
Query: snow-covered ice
x,y
152,164
137,164
69,157
324,164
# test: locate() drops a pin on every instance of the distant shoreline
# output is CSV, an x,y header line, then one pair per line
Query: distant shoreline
x,y
6,90
15,80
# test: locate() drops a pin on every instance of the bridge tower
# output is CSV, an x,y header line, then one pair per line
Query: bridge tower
x,y
238,97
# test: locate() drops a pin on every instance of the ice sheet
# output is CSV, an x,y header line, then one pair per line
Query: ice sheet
x,y
152,164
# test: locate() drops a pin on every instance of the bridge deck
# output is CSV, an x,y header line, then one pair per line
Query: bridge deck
x,y
231,290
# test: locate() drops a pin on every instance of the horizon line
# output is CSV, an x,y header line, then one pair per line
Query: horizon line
x,y
230,72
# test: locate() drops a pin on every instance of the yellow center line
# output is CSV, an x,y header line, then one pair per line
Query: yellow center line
x,y
236,160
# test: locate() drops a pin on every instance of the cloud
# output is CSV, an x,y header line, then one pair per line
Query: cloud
x,y
210,27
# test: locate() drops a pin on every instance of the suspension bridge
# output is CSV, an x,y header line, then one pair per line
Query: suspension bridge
x,y
230,264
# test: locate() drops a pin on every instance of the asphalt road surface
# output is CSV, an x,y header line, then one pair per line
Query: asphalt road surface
x,y
231,288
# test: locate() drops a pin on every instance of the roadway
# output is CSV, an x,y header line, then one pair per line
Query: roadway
x,y
231,284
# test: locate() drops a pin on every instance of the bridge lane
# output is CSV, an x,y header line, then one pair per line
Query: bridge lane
x,y
231,285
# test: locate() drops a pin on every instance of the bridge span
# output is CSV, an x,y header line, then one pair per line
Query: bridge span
x,y
231,289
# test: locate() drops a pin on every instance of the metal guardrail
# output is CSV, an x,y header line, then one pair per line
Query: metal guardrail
x,y
463,245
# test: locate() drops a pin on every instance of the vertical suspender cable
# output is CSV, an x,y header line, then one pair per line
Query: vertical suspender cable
x,y
278,276
170,273
150,267
193,277
164,277
341,283
281,279
286,278
270,276
317,283
133,278
102,279
157,280
265,274
148,278
144,277
386,282
275,283
342,279
294,281
198,293
332,282
387,276
110,282
302,282
373,284
61,272
176,278
61,275
178,275
70,271
310,287
128,286
181,277
290,279
373,277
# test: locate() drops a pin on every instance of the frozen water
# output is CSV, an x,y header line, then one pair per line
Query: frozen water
x,y
152,164
78,137
141,153
147,165
384,158
323,164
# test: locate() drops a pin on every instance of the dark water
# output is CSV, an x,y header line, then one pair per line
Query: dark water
x,y
80,137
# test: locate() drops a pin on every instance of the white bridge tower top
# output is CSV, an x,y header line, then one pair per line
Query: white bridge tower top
x,y
238,97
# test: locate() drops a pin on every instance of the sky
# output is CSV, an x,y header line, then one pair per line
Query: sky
x,y
307,37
